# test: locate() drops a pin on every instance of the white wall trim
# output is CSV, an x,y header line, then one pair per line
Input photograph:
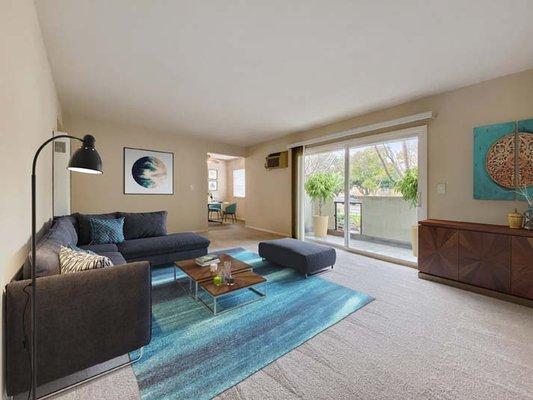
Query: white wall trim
x,y
268,231
367,128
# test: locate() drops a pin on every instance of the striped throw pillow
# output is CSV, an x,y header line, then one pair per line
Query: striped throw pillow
x,y
76,261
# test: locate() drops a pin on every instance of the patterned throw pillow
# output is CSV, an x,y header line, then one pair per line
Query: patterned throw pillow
x,y
75,261
107,230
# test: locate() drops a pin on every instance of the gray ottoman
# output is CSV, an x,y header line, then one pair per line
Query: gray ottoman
x,y
307,258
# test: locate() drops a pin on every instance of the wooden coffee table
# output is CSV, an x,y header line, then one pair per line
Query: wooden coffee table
x,y
200,277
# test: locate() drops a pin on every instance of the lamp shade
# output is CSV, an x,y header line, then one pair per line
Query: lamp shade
x,y
86,159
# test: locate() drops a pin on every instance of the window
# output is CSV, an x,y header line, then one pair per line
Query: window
x,y
239,183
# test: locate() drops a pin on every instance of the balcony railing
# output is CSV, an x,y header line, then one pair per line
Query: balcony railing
x,y
355,216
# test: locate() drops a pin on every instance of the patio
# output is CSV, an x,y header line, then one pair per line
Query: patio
x,y
393,250
379,225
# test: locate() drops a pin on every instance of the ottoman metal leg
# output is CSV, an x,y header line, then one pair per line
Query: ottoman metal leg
x,y
327,269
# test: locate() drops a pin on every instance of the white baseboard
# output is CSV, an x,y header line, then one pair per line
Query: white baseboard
x,y
268,231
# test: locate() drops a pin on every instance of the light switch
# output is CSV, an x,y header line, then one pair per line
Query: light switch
x,y
191,187
441,188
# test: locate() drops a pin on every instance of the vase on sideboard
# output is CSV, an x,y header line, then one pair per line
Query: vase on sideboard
x,y
515,220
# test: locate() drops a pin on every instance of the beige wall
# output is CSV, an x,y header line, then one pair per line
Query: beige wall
x,y
29,111
268,192
221,193
187,207
449,152
238,163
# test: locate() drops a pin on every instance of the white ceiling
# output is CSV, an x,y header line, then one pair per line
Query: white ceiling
x,y
243,71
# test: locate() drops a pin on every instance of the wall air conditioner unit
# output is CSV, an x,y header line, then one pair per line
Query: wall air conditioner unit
x,y
277,160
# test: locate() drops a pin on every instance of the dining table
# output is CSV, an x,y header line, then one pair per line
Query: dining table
x,y
223,205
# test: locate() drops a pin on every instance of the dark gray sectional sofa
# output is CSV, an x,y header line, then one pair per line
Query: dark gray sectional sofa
x,y
86,318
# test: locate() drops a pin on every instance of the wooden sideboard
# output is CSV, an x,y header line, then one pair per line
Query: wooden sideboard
x,y
489,259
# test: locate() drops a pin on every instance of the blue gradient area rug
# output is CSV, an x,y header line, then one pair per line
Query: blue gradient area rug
x,y
195,355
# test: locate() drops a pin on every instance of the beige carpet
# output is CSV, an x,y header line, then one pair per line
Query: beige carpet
x,y
417,340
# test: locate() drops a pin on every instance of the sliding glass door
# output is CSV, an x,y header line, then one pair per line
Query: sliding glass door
x,y
367,194
379,173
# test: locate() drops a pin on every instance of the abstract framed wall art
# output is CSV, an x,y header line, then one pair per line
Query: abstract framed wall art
x,y
148,171
212,174
212,186
503,160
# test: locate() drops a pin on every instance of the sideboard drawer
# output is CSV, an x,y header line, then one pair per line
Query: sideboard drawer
x,y
484,260
438,251
522,266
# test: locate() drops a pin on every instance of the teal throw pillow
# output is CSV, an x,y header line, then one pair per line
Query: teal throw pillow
x,y
107,230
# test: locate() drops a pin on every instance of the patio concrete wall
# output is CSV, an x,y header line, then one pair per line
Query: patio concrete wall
x,y
388,218
383,217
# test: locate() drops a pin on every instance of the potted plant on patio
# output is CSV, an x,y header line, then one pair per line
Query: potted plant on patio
x,y
407,185
321,187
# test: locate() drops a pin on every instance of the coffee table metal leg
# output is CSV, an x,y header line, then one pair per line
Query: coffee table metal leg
x,y
174,272
261,294
193,289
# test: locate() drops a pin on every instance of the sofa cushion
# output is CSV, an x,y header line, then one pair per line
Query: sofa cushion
x,y
115,257
136,248
84,226
76,248
73,218
63,230
101,248
107,230
146,224
62,233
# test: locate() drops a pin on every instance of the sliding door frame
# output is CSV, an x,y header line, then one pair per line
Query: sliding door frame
x,y
300,232
418,131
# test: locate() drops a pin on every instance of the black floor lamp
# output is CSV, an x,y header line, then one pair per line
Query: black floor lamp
x,y
87,160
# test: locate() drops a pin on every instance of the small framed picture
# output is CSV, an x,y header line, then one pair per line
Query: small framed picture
x,y
213,185
213,174
148,171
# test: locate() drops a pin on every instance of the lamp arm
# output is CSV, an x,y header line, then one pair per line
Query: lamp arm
x,y
33,346
42,146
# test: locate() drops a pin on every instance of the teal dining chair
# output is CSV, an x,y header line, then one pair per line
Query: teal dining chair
x,y
214,208
231,210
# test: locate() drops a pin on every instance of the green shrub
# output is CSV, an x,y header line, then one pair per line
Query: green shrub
x,y
408,186
323,186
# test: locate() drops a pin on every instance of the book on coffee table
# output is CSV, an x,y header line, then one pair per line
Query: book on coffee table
x,y
206,260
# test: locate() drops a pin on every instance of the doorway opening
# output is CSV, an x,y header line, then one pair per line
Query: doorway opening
x,y
226,191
